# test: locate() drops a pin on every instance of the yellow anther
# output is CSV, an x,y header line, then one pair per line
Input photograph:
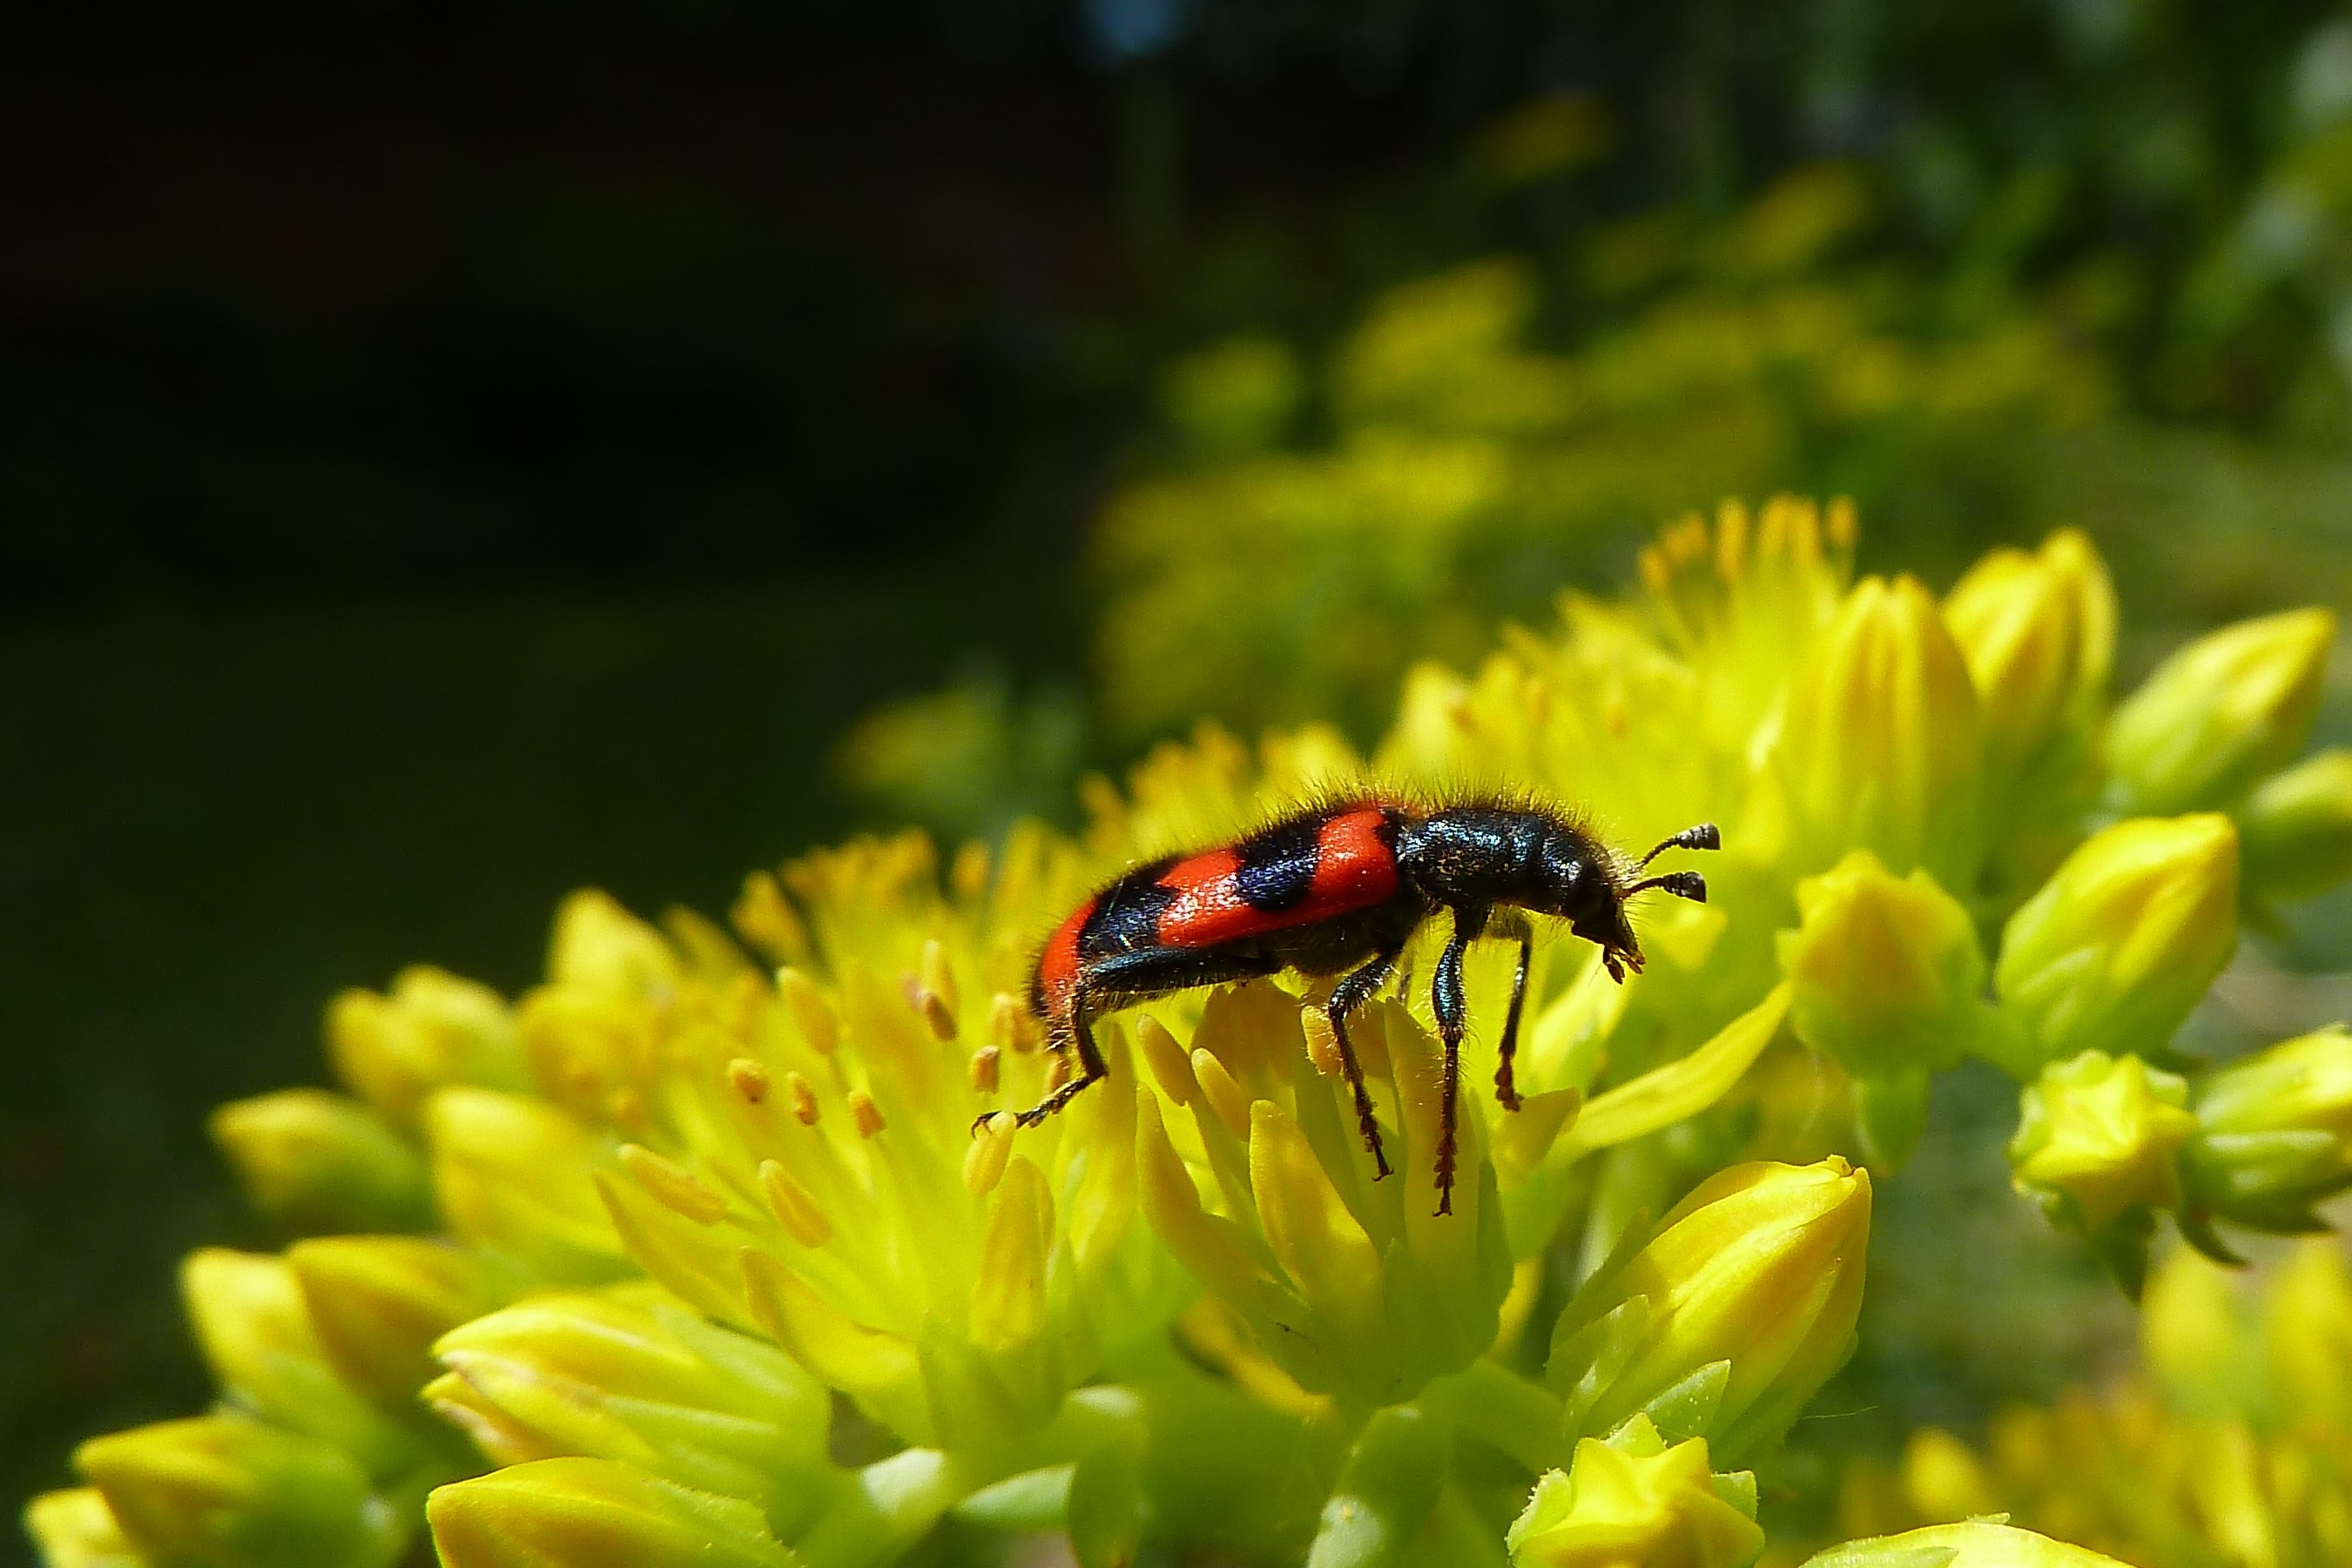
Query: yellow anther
x,y
866,1114
814,1015
983,1161
804,1098
984,1069
937,1017
1057,1074
749,1078
793,1206
1005,1020
678,1189
939,977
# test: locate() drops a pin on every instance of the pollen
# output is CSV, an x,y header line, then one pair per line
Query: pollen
x,y
984,1069
866,1115
749,1080
803,1099
1322,1041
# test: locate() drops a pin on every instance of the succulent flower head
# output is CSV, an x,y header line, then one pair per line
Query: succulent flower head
x,y
2098,1135
1729,1317
2121,942
1882,744
595,1513
2038,632
2296,828
2221,713
2274,1131
229,1489
315,1161
1633,1501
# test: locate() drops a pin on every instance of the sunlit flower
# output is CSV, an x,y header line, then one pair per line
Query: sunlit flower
x,y
2118,946
2219,714
1634,1502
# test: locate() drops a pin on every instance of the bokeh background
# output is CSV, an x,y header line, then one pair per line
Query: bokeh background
x,y
450,456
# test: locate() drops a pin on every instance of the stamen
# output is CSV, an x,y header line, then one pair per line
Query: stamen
x,y
749,1078
803,1099
984,1069
864,1113
814,1015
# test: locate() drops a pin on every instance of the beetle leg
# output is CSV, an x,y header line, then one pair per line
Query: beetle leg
x,y
1091,1061
1513,926
1446,1000
1346,996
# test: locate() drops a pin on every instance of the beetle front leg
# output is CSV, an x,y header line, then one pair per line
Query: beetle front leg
x,y
1449,1002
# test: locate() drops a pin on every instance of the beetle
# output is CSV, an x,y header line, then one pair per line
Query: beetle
x,y
1340,888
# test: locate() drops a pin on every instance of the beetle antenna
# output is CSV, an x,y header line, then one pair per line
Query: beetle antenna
x,y
1681,883
1702,837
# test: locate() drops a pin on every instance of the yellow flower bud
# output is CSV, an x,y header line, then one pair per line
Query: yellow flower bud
x,y
1634,1502
2038,632
512,1174
2297,827
250,1320
1739,1307
434,1029
2121,943
2275,1133
1881,745
316,1161
2228,708
627,1373
75,1529
595,1513
2099,1134
1885,973
1978,1544
226,1489
378,1303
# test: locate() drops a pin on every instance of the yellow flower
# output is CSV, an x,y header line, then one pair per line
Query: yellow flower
x,y
2297,827
626,1374
2121,941
2274,1131
75,1529
1882,746
254,1329
2219,714
512,1175
1635,1502
378,1303
2038,632
1732,1315
316,1161
2100,1134
226,1489
595,1513
1976,1544
431,1030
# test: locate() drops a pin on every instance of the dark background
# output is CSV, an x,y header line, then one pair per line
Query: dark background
x,y
450,456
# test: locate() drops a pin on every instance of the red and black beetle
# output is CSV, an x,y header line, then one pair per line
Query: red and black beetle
x,y
1340,889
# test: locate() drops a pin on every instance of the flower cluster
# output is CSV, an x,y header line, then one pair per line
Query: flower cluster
x,y
693,1254
2234,1446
